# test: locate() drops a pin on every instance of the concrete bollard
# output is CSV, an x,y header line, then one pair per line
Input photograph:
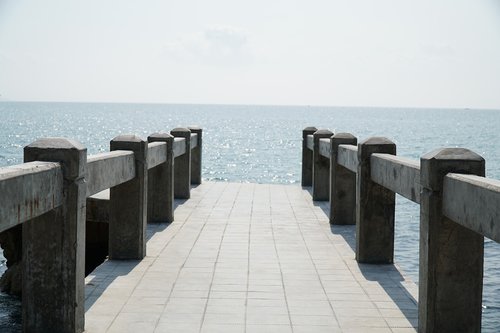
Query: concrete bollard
x,y
196,156
321,168
161,183
128,204
182,166
307,157
342,183
374,207
451,256
54,246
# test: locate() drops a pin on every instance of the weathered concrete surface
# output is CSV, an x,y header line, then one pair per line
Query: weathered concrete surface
x,y
342,183
28,190
399,174
472,201
179,147
161,183
182,166
128,204
451,256
307,157
324,147
109,169
375,208
157,153
348,157
54,246
321,168
249,258
196,155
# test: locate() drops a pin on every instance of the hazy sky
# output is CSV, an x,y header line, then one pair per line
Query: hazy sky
x,y
442,53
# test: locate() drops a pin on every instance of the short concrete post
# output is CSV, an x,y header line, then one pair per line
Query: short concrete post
x,y
196,156
342,183
321,168
451,256
161,183
307,157
374,207
182,166
128,204
54,246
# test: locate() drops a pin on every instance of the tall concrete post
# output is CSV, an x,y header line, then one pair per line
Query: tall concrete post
x,y
374,207
182,166
321,168
196,156
342,183
451,256
161,183
54,246
128,204
307,157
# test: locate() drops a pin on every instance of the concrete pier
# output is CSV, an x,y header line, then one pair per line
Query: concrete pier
x,y
249,258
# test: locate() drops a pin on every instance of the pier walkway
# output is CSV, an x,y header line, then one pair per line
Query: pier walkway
x,y
249,258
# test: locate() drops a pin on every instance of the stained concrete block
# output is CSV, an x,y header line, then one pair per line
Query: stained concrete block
x,y
342,184
451,256
54,246
128,204
196,156
321,168
182,166
161,183
307,157
375,207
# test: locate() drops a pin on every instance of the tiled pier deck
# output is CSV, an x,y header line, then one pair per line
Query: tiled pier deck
x,y
249,258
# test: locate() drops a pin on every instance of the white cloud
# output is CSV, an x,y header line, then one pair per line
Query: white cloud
x,y
216,45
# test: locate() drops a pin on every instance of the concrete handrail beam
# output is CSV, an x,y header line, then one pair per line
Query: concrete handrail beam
x,y
324,147
41,184
473,202
348,157
310,142
194,140
109,169
398,174
179,147
157,154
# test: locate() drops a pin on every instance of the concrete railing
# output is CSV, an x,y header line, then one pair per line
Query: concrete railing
x,y
48,196
458,208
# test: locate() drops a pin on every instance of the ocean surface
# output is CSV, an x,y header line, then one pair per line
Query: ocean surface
x,y
262,144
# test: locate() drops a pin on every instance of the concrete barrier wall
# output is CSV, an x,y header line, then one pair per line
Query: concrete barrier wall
x,y
458,207
51,192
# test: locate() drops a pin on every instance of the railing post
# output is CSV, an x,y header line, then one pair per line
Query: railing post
x,y
196,156
342,183
128,204
374,207
161,183
182,166
321,168
307,157
54,246
451,256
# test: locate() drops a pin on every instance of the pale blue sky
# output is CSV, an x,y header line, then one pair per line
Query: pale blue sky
x,y
424,53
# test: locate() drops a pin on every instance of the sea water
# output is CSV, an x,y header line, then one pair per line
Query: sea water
x,y
262,144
